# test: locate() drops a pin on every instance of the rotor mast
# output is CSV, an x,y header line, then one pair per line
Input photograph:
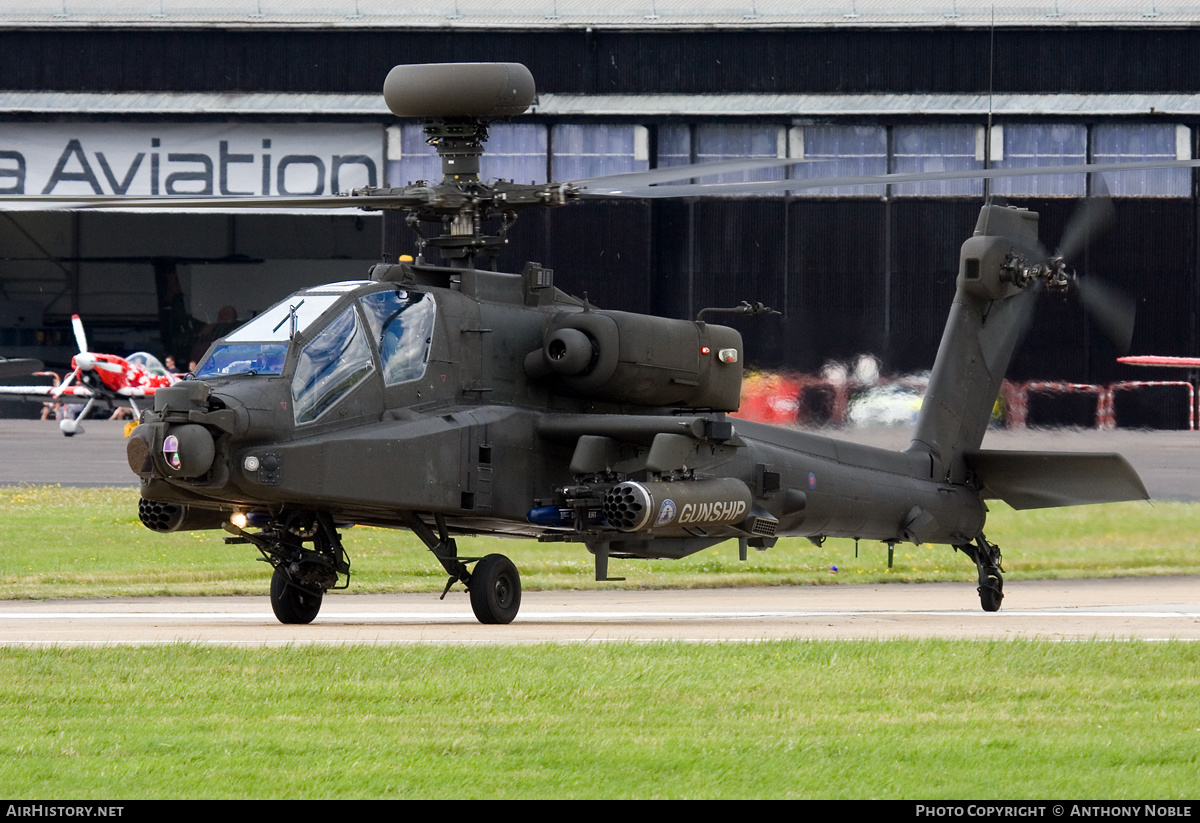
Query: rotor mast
x,y
459,143
456,101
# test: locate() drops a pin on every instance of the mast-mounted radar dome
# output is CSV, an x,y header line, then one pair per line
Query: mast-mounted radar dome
x,y
476,90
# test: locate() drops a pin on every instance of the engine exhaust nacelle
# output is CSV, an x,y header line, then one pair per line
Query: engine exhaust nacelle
x,y
648,361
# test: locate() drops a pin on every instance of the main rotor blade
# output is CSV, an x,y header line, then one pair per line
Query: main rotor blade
x,y
768,186
1093,216
611,183
613,186
80,334
1114,311
316,201
19,367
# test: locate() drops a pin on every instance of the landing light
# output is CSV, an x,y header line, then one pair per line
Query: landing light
x,y
250,464
238,519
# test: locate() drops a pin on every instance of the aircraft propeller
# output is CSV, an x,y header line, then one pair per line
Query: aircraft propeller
x,y
85,360
80,335
1113,310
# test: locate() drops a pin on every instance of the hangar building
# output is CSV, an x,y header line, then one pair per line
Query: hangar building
x,y
283,96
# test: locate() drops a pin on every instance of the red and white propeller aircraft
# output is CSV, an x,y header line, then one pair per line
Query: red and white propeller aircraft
x,y
104,378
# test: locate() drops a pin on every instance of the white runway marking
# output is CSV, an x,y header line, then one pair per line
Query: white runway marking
x,y
334,618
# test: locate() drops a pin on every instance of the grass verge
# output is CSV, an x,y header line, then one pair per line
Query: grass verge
x,y
904,719
66,542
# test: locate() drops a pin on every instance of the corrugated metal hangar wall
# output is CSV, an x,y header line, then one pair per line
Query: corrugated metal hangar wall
x,y
587,60
851,273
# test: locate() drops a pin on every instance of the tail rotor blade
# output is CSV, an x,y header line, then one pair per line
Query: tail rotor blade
x,y
1112,309
1094,216
80,336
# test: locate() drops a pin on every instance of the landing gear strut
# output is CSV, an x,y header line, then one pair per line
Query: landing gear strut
x,y
306,551
494,586
991,576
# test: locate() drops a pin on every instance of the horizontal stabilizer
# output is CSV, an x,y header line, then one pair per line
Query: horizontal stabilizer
x,y
1043,480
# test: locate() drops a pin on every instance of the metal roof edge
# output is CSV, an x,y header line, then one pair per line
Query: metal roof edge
x,y
613,23
192,103
797,106
867,105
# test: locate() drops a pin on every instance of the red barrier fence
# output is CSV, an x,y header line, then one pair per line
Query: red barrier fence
x,y
1018,405
775,399
1107,419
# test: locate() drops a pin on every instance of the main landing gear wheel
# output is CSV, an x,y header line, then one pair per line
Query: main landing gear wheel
x,y
291,603
302,574
494,586
495,589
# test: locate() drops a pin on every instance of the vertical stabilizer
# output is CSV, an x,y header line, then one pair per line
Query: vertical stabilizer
x,y
987,318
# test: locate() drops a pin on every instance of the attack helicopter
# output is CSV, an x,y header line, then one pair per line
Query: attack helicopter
x,y
450,399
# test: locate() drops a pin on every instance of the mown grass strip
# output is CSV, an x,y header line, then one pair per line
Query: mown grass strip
x,y
904,719
59,542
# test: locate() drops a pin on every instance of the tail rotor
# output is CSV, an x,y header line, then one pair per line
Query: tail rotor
x,y
1110,308
1114,311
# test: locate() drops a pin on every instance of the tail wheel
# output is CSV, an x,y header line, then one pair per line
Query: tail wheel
x,y
991,592
290,602
495,589
991,574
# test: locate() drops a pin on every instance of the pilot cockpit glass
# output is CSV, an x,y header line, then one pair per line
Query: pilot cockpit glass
x,y
260,346
284,320
330,365
148,362
402,328
228,359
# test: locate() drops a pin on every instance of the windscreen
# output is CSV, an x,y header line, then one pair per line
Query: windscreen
x,y
260,346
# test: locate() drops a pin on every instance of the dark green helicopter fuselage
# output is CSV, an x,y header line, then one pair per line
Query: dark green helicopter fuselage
x,y
473,437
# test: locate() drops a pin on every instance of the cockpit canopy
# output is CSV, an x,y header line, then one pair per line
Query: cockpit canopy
x,y
331,337
148,362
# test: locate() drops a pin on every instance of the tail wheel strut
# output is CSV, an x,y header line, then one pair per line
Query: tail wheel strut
x,y
991,576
